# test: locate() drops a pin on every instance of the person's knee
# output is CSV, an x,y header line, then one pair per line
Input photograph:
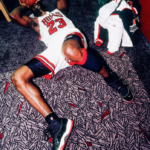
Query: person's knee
x,y
17,80
21,76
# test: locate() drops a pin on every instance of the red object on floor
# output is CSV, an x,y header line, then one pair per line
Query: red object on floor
x,y
122,54
1,135
142,131
116,135
81,89
89,143
20,108
6,87
100,104
72,105
59,78
105,114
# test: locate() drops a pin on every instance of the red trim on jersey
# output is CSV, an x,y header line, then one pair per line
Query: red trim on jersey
x,y
48,76
109,53
130,3
80,35
46,62
99,30
133,9
114,14
39,37
98,41
125,8
82,62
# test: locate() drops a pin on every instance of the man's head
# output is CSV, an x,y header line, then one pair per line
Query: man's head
x,y
72,48
72,51
38,9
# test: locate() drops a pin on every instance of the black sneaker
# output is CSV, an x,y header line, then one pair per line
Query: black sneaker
x,y
59,130
122,89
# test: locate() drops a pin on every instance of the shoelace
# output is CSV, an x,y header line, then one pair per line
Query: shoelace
x,y
51,130
47,134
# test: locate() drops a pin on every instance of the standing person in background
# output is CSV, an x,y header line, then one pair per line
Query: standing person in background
x,y
117,20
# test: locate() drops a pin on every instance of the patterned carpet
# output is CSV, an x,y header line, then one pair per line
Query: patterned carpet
x,y
102,121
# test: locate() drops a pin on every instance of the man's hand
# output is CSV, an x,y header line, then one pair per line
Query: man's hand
x,y
24,3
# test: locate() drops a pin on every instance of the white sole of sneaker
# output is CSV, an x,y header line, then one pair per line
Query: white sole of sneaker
x,y
129,101
123,98
66,134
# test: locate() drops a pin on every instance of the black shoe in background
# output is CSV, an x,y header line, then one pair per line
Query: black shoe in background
x,y
122,89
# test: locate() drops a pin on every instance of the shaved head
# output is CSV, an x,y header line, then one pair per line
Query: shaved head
x,y
72,50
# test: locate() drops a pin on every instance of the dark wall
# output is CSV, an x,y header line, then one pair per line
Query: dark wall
x,y
10,5
145,18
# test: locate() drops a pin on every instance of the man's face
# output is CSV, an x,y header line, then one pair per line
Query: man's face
x,y
37,10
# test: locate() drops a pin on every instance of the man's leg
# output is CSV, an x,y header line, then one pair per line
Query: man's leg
x,y
22,81
59,129
95,63
91,60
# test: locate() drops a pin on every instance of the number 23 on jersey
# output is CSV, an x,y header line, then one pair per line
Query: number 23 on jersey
x,y
51,25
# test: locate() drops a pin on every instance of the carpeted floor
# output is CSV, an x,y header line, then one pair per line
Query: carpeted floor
x,y
102,121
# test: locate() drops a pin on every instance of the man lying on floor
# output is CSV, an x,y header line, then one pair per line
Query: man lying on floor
x,y
66,46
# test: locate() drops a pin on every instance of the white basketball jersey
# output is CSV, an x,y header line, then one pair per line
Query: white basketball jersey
x,y
51,25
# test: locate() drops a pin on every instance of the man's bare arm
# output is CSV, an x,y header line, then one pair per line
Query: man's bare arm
x,y
63,5
18,15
